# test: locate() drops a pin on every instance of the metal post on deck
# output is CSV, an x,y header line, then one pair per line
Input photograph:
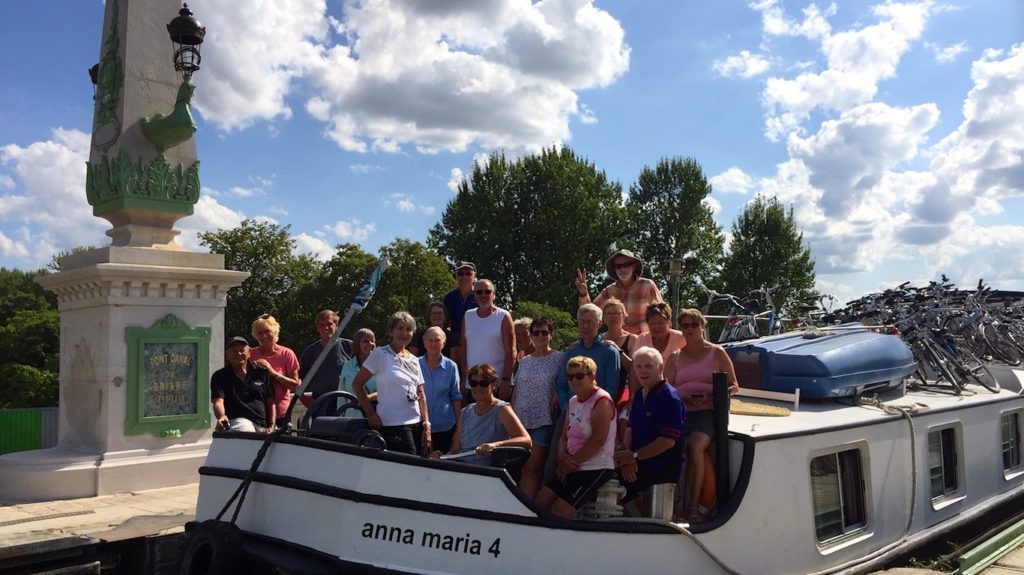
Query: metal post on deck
x,y
720,391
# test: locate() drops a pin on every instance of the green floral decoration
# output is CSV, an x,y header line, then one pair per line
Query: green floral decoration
x,y
122,182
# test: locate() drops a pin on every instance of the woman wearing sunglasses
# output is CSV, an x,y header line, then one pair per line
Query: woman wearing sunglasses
x,y
586,448
689,371
488,422
534,399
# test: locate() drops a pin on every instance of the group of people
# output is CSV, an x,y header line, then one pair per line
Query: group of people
x,y
633,399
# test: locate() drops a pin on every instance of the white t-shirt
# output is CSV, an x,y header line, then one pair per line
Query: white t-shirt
x,y
397,381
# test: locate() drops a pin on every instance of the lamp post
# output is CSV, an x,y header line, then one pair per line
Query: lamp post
x,y
675,269
187,36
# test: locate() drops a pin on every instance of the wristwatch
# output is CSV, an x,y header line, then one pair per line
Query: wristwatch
x,y
636,456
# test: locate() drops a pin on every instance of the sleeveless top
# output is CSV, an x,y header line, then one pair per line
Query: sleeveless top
x,y
477,429
695,377
483,339
579,430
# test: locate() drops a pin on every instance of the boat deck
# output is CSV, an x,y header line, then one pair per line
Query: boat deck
x,y
817,415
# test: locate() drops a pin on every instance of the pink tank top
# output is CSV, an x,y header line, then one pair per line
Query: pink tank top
x,y
695,377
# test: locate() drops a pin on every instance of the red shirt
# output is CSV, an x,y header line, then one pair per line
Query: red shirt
x,y
283,361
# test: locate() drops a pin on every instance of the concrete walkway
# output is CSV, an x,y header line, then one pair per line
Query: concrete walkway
x,y
32,528
1010,564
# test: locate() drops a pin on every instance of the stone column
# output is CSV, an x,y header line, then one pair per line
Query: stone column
x,y
128,421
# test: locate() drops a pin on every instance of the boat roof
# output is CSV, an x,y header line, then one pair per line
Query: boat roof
x,y
821,415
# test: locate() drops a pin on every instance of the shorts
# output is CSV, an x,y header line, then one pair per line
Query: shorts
x,y
701,421
580,487
541,436
668,472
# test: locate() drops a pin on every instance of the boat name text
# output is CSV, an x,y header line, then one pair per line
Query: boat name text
x,y
429,539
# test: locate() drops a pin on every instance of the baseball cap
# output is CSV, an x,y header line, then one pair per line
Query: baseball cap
x,y
469,265
234,340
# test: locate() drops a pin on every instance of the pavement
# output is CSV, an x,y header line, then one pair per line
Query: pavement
x,y
33,528
1011,564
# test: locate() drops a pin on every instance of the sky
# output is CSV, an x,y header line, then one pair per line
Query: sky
x,y
893,129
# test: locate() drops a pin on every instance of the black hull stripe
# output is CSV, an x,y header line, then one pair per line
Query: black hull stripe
x,y
548,520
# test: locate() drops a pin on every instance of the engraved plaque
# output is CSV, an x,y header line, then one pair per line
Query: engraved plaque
x,y
169,378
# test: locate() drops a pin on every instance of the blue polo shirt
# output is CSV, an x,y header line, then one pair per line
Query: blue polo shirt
x,y
457,308
660,414
607,359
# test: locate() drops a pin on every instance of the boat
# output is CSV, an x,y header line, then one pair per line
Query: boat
x,y
862,471
837,486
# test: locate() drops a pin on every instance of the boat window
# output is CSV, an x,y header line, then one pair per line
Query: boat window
x,y
837,490
943,462
1011,441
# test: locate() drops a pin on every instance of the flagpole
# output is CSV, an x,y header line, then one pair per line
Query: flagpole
x,y
359,303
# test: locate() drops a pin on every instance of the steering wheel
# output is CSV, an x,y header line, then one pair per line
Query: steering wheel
x,y
321,402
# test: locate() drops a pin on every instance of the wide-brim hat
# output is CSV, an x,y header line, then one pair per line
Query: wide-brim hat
x,y
609,264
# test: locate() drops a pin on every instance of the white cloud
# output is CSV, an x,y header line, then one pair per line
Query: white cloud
x,y
733,180
6,182
51,210
207,216
775,22
253,53
352,230
395,73
946,54
405,205
742,65
712,204
857,60
455,180
363,169
586,115
313,246
9,247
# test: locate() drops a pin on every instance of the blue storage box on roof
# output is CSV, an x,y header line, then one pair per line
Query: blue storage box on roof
x,y
837,363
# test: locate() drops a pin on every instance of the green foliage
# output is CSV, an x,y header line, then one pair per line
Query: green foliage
x,y
29,341
669,219
529,224
277,275
767,248
564,324
417,277
55,264
26,386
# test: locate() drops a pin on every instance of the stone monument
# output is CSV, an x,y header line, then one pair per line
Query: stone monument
x,y
141,320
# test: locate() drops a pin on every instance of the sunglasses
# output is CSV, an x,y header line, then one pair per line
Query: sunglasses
x,y
465,273
625,265
578,376
540,333
480,382
483,292
688,324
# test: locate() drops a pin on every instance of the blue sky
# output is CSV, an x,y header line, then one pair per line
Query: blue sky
x,y
893,129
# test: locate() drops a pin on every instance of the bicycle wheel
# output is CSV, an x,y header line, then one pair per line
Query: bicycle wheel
x,y
959,325
941,362
974,370
1002,348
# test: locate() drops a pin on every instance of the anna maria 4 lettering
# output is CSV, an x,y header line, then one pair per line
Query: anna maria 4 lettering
x,y
456,544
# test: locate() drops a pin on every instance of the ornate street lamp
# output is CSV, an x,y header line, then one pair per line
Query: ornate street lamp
x,y
187,35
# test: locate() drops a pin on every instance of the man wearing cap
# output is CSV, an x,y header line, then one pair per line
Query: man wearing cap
x,y
635,292
329,373
240,391
458,302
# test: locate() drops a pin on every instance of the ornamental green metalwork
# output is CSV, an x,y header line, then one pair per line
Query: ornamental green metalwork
x,y
108,87
122,183
168,131
168,378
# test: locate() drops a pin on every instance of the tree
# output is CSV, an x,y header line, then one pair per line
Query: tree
x,y
565,332
669,219
529,224
265,250
767,248
29,341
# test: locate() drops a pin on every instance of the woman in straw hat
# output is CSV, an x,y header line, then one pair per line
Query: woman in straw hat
x,y
634,291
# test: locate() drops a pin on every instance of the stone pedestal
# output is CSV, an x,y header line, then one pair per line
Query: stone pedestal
x,y
101,294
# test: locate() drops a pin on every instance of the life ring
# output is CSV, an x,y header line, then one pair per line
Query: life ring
x,y
213,547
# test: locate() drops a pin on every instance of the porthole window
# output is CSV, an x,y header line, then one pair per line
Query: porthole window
x,y
1010,423
837,491
943,462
